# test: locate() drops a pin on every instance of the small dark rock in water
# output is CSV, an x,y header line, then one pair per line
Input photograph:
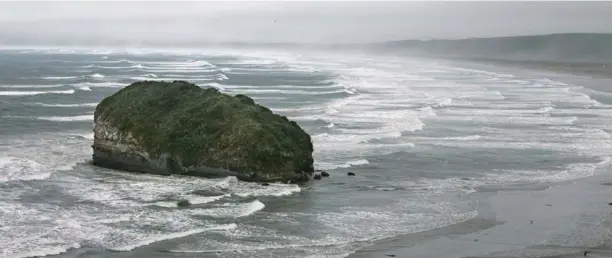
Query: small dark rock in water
x,y
183,203
324,174
390,255
317,177
209,192
265,184
610,203
549,205
532,222
586,252
351,173
476,240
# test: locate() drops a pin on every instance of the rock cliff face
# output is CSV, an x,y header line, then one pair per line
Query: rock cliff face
x,y
179,128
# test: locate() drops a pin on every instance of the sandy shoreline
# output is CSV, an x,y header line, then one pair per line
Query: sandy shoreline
x,y
568,219
555,221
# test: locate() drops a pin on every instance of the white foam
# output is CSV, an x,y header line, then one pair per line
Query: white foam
x,y
31,86
517,120
107,67
198,78
298,109
350,91
301,68
97,76
191,76
206,199
495,111
66,118
121,193
551,82
139,190
115,219
152,75
355,163
480,96
245,189
271,88
173,65
346,164
231,210
252,62
65,105
30,93
445,102
85,88
21,169
191,63
168,236
463,138
605,161
385,105
216,85
569,172
509,142
450,138
182,70
222,77
483,72
258,70
59,77
193,199
370,226
87,136
45,251
123,61
547,109
290,92
99,84
226,70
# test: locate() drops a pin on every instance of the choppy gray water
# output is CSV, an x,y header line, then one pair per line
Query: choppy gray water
x,y
420,134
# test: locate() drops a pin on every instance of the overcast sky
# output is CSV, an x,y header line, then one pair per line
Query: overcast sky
x,y
306,22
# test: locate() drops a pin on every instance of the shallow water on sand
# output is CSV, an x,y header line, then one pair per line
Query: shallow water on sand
x,y
421,135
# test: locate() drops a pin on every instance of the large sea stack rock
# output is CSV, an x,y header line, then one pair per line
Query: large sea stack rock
x,y
180,128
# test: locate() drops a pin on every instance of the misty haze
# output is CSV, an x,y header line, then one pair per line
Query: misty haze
x,y
305,129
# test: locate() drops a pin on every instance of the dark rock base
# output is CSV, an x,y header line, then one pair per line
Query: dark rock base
x,y
107,158
132,162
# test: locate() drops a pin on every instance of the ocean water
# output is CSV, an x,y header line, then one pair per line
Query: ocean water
x,y
420,134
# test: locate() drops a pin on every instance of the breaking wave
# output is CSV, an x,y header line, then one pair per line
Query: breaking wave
x,y
64,105
163,237
29,93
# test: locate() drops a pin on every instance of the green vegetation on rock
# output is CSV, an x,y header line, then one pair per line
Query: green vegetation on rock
x,y
202,127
